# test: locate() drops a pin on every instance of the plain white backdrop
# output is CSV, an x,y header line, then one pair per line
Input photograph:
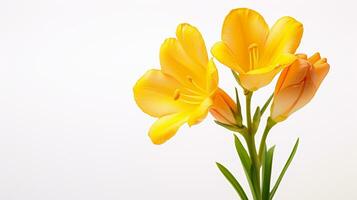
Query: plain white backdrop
x,y
70,129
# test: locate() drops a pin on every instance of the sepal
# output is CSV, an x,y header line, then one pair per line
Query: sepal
x,y
238,114
242,130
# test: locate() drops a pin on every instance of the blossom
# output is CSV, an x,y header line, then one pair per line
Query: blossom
x,y
297,85
182,90
248,47
224,109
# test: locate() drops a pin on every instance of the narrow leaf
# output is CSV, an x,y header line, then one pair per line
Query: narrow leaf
x,y
292,154
256,120
242,153
254,176
246,163
267,166
233,181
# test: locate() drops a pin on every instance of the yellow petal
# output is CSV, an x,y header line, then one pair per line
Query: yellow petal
x,y
200,112
284,37
166,127
260,77
155,92
212,77
192,42
225,55
175,61
241,28
185,58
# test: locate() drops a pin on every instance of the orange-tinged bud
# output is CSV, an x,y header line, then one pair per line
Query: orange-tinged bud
x,y
297,85
224,109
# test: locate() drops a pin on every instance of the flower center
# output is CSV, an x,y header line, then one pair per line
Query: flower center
x,y
191,95
253,56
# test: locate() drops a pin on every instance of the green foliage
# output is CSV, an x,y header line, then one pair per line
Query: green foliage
x,y
292,154
233,181
246,163
266,171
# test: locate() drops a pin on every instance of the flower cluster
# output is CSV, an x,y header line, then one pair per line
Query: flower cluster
x,y
185,89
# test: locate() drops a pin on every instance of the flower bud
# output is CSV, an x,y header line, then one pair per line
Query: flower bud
x,y
297,85
224,109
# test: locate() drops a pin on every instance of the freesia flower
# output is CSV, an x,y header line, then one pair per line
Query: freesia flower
x,y
255,52
183,89
224,109
297,85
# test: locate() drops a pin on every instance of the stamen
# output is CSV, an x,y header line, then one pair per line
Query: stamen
x,y
176,94
192,91
193,97
190,102
253,55
189,78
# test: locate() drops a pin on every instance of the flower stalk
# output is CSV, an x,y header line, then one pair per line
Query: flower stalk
x,y
270,123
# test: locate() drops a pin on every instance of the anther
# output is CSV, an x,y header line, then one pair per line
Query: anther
x,y
176,94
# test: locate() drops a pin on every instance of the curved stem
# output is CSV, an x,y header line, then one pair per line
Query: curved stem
x,y
269,125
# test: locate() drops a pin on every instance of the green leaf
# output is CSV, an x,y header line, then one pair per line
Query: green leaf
x,y
242,153
292,154
267,166
233,181
246,163
238,115
256,120
256,187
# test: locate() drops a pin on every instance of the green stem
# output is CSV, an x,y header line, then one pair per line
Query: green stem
x,y
248,100
269,125
251,146
255,176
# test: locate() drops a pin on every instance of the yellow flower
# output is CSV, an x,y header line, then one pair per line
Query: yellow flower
x,y
255,52
297,85
182,90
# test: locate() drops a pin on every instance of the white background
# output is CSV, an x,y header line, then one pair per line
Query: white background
x,y
70,129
